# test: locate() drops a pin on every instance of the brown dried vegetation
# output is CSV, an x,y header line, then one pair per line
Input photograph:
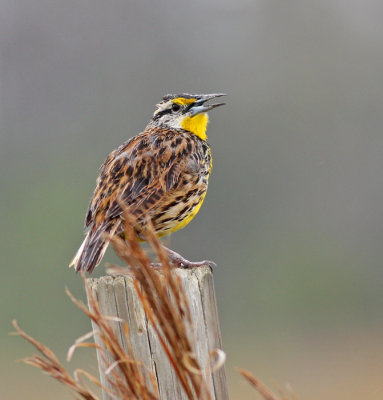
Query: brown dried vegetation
x,y
167,310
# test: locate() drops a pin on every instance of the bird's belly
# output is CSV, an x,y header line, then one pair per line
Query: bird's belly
x,y
178,214
180,223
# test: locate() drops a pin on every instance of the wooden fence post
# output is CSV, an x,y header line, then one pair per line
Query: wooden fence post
x,y
117,297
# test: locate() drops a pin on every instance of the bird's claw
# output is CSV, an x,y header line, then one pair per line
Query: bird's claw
x,y
187,264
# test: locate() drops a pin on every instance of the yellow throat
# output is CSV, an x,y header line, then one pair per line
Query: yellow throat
x,y
197,125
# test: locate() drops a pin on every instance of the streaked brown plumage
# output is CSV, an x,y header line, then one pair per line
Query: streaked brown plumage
x,y
162,173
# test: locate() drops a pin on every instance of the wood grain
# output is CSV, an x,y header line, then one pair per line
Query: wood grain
x,y
117,297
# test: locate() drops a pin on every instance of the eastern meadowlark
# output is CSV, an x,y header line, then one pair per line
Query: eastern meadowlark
x,y
161,174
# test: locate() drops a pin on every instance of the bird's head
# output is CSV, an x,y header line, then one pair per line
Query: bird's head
x,y
185,111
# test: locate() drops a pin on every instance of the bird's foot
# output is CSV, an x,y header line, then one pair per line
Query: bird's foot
x,y
178,261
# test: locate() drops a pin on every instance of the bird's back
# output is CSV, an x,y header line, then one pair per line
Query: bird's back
x,y
159,174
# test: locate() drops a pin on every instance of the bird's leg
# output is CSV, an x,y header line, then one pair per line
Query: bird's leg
x,y
181,262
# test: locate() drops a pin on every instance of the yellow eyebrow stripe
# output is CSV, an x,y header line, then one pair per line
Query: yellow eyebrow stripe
x,y
182,101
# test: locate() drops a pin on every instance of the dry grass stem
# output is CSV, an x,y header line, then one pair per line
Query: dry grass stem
x,y
263,390
165,305
126,375
164,301
167,309
51,365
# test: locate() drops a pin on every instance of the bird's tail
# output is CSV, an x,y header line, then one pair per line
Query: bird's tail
x,y
93,247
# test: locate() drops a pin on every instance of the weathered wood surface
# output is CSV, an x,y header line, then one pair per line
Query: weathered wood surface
x,y
117,297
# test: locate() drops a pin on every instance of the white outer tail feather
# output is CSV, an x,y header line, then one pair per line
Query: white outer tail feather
x,y
76,258
90,262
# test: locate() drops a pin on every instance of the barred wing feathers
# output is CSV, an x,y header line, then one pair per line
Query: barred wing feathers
x,y
141,174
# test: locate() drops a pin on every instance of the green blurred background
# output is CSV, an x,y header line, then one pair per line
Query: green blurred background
x,y
293,215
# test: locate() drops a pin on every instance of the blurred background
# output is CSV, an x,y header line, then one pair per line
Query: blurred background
x,y
294,212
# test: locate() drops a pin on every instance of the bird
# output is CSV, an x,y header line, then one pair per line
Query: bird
x,y
161,174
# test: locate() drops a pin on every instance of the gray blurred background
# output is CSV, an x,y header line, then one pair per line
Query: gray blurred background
x,y
294,212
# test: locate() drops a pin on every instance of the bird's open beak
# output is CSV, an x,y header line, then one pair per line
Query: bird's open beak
x,y
198,106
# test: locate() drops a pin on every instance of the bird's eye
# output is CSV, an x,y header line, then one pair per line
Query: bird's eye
x,y
176,107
